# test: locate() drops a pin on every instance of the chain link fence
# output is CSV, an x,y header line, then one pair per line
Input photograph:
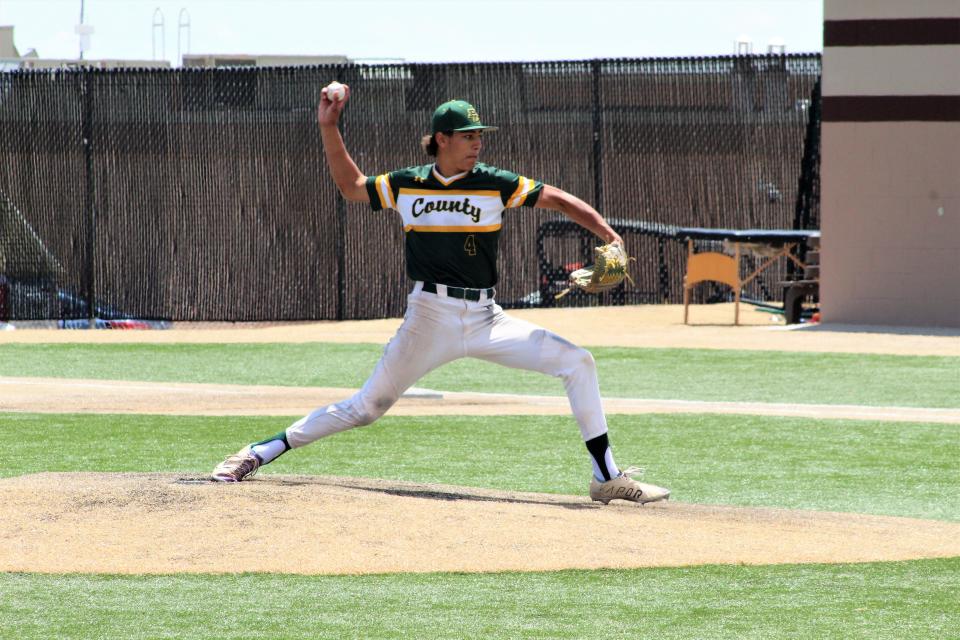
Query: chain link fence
x,y
203,194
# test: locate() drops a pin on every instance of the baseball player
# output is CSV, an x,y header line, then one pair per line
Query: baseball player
x,y
452,212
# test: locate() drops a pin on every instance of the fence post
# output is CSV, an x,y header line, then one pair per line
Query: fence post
x,y
662,276
341,228
86,132
809,181
597,139
809,163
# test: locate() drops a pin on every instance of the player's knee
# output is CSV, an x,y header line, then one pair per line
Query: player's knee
x,y
571,358
363,417
583,359
577,363
369,410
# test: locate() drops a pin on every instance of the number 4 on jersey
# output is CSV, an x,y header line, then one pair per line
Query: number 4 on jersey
x,y
470,245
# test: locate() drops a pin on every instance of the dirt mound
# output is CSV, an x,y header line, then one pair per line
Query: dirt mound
x,y
165,523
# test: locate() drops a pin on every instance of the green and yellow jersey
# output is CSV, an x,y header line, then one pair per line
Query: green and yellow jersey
x,y
452,225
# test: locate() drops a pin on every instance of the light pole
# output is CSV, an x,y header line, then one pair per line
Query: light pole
x,y
183,24
83,30
159,24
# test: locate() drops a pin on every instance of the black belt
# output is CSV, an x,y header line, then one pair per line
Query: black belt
x,y
460,292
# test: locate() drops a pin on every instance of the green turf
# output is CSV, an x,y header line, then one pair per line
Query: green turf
x,y
695,374
900,469
876,601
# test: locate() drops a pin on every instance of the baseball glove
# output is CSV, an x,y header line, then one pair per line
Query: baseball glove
x,y
608,271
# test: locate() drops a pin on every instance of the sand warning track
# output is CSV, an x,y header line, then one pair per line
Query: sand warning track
x,y
166,523
653,326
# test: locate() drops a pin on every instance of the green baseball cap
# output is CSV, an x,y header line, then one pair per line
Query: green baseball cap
x,y
458,115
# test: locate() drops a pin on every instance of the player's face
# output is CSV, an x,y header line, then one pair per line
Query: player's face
x,y
460,150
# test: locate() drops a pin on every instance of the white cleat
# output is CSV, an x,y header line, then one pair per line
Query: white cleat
x,y
237,467
623,487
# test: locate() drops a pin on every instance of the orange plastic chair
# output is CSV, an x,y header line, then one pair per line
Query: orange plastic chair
x,y
713,267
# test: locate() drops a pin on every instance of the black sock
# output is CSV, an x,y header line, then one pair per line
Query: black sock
x,y
604,468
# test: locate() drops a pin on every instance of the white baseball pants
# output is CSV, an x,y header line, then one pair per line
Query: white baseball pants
x,y
437,329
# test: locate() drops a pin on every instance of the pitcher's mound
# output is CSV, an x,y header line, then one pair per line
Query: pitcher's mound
x,y
165,523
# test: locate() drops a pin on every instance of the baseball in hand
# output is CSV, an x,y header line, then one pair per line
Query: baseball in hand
x,y
336,92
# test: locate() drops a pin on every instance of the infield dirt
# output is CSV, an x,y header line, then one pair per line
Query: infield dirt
x,y
163,523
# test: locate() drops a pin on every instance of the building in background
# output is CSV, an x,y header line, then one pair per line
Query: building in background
x,y
7,48
248,60
890,171
10,58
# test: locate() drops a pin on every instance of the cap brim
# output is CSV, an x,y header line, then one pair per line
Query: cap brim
x,y
477,127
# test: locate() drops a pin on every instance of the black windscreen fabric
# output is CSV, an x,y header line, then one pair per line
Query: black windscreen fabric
x,y
203,194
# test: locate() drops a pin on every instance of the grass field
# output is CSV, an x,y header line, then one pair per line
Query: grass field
x,y
690,374
865,601
899,469
865,467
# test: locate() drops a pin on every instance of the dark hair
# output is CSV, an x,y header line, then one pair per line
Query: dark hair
x,y
429,143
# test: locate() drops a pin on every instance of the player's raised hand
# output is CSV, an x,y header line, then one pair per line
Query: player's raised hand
x,y
333,97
